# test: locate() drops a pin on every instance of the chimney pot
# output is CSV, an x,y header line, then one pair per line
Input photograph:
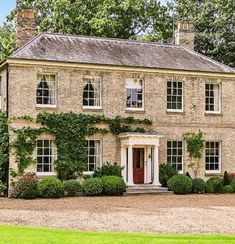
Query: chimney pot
x,y
184,35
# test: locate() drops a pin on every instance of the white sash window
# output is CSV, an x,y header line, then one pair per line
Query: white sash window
x,y
212,98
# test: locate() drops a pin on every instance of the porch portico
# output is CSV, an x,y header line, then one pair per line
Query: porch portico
x,y
140,158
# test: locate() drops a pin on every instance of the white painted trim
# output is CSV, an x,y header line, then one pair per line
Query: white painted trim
x,y
92,107
46,174
46,106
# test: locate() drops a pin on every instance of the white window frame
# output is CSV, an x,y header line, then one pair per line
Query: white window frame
x,y
101,91
220,94
171,109
55,91
220,159
100,156
182,156
143,95
54,156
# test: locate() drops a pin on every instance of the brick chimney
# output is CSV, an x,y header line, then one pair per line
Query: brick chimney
x,y
184,35
25,26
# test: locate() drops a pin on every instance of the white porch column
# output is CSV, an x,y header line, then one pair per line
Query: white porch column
x,y
130,166
156,181
124,163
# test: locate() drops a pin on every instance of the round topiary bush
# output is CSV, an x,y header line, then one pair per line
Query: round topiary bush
x,y
50,188
233,185
228,189
113,185
92,187
180,184
198,185
29,193
215,184
72,188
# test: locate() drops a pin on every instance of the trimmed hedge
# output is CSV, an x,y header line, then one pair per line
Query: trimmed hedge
x,y
180,184
72,188
233,185
214,185
113,185
228,189
50,188
92,187
166,171
198,185
29,193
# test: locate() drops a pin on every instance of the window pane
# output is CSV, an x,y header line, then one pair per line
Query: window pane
x,y
93,156
175,154
134,93
212,97
92,92
174,95
212,156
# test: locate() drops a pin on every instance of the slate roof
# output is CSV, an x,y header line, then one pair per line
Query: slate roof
x,y
117,52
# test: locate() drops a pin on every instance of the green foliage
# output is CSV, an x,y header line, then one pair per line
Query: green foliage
x,y
50,188
4,147
29,193
113,185
72,188
187,174
24,182
25,144
180,184
226,178
198,185
233,185
3,187
228,189
7,40
214,25
109,169
92,187
216,184
70,131
166,171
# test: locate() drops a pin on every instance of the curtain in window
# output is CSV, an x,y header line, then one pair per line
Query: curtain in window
x,y
216,97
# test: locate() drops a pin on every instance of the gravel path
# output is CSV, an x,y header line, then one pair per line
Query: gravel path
x,y
156,214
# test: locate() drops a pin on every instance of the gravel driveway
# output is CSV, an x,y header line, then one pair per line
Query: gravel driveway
x,y
146,213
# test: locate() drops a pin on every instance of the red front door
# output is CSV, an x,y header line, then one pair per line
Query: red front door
x,y
138,165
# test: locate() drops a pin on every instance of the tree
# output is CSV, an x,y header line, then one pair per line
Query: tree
x,y
7,40
214,22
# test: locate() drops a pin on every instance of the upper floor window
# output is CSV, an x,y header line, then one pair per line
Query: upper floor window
x,y
212,98
45,156
46,90
92,92
213,156
175,154
134,94
175,96
93,155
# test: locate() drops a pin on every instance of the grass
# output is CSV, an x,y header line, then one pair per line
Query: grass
x,y
13,234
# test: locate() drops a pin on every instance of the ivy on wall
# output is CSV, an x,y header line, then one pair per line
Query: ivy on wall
x,y
4,147
70,131
195,144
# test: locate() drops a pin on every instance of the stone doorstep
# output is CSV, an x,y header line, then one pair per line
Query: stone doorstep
x,y
146,189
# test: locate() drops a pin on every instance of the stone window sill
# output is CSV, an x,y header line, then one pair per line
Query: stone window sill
x,y
214,114
175,112
135,111
213,174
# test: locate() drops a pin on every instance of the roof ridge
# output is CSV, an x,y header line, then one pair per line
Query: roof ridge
x,y
112,39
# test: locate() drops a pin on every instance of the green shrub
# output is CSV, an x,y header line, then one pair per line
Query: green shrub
x,y
166,171
187,174
3,187
29,193
216,183
24,182
198,185
113,185
180,184
233,185
209,188
226,178
228,189
50,188
72,188
109,169
92,186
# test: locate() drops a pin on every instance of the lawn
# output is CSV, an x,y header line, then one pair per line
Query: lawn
x,y
12,234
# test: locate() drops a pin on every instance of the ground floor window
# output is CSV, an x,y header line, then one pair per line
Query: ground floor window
x,y
175,154
93,155
213,156
45,156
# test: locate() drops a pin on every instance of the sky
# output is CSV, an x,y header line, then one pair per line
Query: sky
x,y
7,5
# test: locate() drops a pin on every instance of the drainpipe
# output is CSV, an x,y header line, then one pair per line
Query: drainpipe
x,y
7,113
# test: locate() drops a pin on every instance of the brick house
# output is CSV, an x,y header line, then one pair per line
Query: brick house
x,y
177,88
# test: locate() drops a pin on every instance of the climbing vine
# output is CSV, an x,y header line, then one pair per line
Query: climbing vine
x,y
4,147
195,144
70,131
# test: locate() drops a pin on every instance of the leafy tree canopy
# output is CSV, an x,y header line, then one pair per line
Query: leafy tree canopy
x,y
214,22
